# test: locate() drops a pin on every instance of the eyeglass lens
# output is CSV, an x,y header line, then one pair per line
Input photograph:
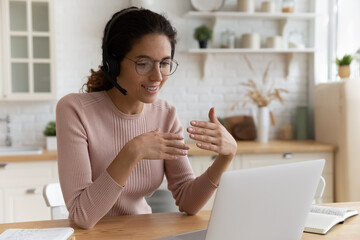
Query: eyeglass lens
x,y
146,65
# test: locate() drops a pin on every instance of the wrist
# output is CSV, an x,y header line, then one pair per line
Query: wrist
x,y
131,151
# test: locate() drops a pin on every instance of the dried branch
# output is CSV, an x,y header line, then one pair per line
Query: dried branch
x,y
258,97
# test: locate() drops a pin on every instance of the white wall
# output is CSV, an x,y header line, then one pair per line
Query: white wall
x,y
79,28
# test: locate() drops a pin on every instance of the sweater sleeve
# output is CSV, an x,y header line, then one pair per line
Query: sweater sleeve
x,y
190,193
86,200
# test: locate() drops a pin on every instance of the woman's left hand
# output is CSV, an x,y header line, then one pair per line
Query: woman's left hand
x,y
212,136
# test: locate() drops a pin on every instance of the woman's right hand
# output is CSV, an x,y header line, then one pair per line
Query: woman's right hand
x,y
157,145
152,145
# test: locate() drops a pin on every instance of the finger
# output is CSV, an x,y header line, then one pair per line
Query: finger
x,y
212,116
167,156
203,124
205,139
207,146
176,151
177,144
203,131
156,130
172,136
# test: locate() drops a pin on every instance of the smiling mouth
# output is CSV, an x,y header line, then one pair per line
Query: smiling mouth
x,y
153,89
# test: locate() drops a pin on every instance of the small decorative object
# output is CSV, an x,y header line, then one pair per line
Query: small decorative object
x,y
246,6
251,40
227,39
344,66
262,95
274,42
268,6
286,132
50,134
296,40
203,33
207,5
288,6
241,127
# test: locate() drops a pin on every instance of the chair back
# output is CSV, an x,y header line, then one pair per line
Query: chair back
x,y
54,199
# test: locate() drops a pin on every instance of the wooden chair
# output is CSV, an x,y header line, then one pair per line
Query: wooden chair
x,y
162,201
54,199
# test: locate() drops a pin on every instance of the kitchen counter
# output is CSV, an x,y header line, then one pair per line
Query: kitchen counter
x,y
249,147
274,146
46,155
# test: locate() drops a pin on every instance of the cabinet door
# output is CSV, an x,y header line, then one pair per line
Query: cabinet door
x,y
25,204
2,220
29,68
21,186
260,160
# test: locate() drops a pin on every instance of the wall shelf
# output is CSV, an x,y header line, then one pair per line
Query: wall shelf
x,y
247,50
256,15
289,54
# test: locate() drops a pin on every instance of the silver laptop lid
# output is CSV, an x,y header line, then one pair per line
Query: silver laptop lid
x,y
269,203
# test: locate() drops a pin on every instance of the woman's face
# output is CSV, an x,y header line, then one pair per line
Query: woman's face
x,y
144,88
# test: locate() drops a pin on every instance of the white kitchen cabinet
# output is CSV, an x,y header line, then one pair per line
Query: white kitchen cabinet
x,y
260,160
21,186
1,208
242,161
27,48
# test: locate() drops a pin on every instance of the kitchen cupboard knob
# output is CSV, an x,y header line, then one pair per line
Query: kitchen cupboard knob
x,y
31,191
3,165
287,155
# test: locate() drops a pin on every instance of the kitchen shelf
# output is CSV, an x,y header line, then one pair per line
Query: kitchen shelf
x,y
256,15
289,54
246,50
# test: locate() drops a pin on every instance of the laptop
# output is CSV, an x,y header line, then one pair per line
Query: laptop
x,y
269,203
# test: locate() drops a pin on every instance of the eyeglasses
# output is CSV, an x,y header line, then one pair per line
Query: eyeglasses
x,y
145,65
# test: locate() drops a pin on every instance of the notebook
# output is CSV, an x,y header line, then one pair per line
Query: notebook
x,y
261,203
37,234
322,218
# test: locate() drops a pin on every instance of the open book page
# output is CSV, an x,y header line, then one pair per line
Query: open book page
x,y
321,219
341,212
37,234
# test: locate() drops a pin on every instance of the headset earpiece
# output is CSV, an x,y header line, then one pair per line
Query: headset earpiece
x,y
111,66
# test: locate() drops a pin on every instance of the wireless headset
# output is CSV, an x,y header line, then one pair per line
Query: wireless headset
x,y
111,65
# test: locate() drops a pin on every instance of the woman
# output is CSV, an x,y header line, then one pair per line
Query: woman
x,y
116,143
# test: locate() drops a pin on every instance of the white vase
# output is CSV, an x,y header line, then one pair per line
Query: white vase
x,y
51,143
263,124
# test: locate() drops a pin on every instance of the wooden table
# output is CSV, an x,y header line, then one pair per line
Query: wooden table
x,y
150,226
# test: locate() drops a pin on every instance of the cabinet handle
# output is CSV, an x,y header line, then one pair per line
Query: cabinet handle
x,y
31,191
287,155
3,165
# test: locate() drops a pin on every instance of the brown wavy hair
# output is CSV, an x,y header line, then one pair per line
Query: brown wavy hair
x,y
129,27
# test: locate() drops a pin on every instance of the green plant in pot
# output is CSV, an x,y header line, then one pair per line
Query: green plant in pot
x,y
203,33
344,65
50,134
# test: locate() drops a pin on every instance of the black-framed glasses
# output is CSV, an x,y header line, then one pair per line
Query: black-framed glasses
x,y
145,65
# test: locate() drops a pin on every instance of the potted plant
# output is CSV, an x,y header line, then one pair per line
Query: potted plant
x,y
50,134
203,33
344,65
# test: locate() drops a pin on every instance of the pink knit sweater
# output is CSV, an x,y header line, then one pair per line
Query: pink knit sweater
x,y
90,132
